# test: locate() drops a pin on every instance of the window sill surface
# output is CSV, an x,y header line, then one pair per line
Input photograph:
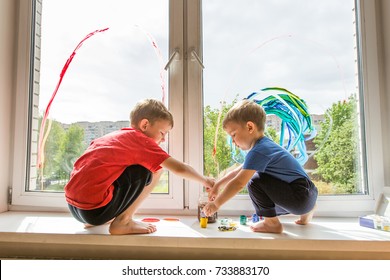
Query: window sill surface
x,y
57,235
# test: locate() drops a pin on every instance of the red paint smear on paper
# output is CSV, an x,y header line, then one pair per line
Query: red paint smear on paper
x,y
171,219
150,220
64,69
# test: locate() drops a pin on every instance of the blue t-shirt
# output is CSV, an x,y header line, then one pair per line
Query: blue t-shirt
x,y
268,157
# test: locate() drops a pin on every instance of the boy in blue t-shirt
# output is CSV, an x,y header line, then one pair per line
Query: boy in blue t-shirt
x,y
276,182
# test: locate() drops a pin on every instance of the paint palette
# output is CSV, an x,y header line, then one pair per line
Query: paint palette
x,y
226,228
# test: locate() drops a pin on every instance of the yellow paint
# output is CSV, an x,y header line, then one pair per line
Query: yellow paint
x,y
203,222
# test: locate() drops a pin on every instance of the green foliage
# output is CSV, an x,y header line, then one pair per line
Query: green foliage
x,y
337,145
223,158
271,133
62,148
212,167
51,162
71,147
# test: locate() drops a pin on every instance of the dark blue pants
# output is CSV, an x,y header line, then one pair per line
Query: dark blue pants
x,y
127,189
272,197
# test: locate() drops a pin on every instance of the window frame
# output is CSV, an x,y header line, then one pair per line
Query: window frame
x,y
20,176
351,205
185,79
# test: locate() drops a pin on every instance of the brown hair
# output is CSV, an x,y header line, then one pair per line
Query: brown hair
x,y
245,111
150,109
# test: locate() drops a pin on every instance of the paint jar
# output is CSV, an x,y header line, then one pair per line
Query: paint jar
x,y
203,199
225,221
203,220
243,220
386,225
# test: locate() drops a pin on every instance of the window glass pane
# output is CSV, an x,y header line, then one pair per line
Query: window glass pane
x,y
108,74
308,47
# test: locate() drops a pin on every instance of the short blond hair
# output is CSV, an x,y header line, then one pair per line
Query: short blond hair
x,y
150,109
246,111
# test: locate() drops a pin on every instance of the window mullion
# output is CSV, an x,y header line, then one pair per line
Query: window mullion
x,y
193,100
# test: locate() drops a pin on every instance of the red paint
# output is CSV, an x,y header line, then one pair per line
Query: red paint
x,y
64,69
171,219
150,220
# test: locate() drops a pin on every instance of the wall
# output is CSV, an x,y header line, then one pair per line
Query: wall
x,y
383,9
7,43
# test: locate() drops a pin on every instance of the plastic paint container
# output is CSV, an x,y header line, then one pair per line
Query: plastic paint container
x,y
242,220
203,222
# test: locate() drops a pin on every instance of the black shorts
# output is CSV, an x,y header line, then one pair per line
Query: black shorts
x,y
127,189
272,197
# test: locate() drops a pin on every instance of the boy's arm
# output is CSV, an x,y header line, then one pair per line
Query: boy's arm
x,y
184,170
232,188
223,181
229,176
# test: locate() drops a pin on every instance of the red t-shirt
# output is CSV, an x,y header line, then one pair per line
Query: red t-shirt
x,y
90,185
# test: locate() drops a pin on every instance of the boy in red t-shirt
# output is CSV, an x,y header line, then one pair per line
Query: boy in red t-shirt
x,y
119,170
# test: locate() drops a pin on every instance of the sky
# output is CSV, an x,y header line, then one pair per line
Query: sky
x,y
112,70
305,46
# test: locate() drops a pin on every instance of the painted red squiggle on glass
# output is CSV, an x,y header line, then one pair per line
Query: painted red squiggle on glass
x,y
42,139
160,59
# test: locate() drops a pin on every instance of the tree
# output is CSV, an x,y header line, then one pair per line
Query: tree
x,y
222,159
271,133
62,148
51,154
337,145
71,148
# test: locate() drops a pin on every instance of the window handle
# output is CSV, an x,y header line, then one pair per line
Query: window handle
x,y
174,56
195,56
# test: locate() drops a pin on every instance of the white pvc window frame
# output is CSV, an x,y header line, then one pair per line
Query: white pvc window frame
x,y
24,104
186,103
336,205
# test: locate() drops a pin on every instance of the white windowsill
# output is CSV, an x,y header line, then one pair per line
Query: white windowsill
x,y
59,236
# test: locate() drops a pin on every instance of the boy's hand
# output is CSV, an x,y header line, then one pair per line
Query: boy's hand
x,y
209,183
210,208
213,192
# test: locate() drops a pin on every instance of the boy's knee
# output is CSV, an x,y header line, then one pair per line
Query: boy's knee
x,y
154,176
136,169
136,172
139,170
252,184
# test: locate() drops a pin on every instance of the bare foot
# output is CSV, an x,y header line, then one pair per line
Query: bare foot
x,y
271,225
131,227
305,218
